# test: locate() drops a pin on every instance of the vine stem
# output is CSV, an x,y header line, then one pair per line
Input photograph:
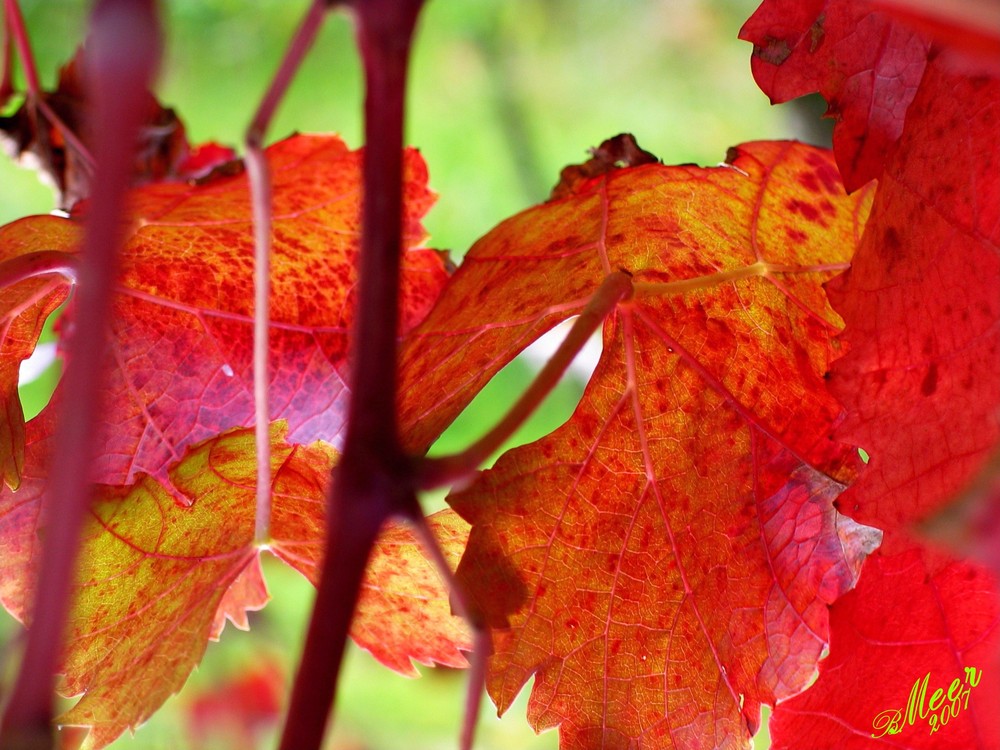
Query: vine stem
x,y
6,50
482,646
260,190
123,52
445,470
17,30
372,481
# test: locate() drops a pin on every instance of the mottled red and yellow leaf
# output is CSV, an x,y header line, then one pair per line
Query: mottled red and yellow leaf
x,y
403,612
179,364
169,554
662,564
157,579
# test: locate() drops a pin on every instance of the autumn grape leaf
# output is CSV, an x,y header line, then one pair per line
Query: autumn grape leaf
x,y
662,563
862,699
179,377
152,574
179,364
922,311
157,579
131,646
403,612
865,64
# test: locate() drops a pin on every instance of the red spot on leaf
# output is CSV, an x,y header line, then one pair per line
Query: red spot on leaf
x,y
807,210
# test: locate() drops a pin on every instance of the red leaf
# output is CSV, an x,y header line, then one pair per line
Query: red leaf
x,y
922,311
865,65
187,287
662,563
180,359
950,622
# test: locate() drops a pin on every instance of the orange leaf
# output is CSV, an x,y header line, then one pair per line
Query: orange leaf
x,y
662,564
179,378
404,612
157,579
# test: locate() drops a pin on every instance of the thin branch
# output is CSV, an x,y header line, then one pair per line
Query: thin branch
x,y
16,28
445,470
72,139
124,51
7,60
482,646
372,482
260,189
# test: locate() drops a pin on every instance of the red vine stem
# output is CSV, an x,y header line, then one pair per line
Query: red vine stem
x,y
123,52
260,190
7,60
372,481
375,480
445,470
16,29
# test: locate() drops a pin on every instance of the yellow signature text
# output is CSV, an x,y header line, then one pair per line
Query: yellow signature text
x,y
935,712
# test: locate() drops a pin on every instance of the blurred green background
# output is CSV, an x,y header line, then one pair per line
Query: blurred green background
x,y
502,96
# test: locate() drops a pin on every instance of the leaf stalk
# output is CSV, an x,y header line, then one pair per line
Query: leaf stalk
x,y
446,470
261,194
372,481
